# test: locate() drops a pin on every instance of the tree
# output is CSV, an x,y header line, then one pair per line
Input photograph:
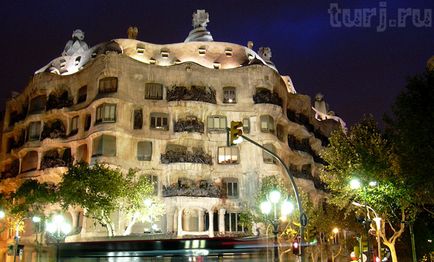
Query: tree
x,y
100,190
411,127
366,154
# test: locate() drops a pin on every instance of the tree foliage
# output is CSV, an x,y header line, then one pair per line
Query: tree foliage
x,y
411,127
364,153
100,190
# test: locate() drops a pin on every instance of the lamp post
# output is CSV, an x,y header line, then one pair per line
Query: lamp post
x,y
58,228
17,232
286,208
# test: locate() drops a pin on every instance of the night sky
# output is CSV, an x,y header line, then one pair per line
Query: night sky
x,y
359,70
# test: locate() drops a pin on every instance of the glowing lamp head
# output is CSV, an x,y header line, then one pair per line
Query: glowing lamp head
x,y
36,219
147,202
265,207
335,230
287,208
50,227
355,183
373,184
58,219
2,214
274,196
66,228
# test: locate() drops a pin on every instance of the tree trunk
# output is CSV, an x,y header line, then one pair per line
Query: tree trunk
x,y
392,249
130,225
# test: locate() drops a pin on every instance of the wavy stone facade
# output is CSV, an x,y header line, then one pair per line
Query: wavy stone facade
x,y
164,109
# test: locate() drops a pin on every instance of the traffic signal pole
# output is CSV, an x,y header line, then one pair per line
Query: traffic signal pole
x,y
303,217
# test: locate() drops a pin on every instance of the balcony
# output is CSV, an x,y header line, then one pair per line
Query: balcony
x,y
189,125
53,130
60,101
56,158
192,190
183,156
195,93
265,96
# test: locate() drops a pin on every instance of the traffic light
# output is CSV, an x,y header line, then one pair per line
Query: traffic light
x,y
296,247
235,133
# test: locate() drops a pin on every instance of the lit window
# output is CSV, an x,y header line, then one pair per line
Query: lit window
x,y
269,159
104,145
246,125
216,65
140,50
108,85
202,50
74,126
228,155
144,151
138,119
106,113
229,95
230,186
267,124
153,91
34,131
160,121
232,223
82,94
228,52
216,123
164,53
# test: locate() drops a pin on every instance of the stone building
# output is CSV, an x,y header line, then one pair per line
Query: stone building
x,y
164,110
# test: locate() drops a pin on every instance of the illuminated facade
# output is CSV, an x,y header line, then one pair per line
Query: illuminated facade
x,y
164,109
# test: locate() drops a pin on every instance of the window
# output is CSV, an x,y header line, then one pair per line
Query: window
x,y
153,91
138,119
154,180
104,145
82,94
228,155
144,151
105,113
266,156
267,124
74,125
280,132
217,123
34,131
37,104
160,121
246,125
87,122
230,187
108,85
232,222
229,95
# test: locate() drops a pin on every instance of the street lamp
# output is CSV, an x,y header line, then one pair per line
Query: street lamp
x,y
58,228
286,208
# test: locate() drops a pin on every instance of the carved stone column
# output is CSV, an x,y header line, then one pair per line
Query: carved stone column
x,y
180,211
169,220
200,220
211,223
222,212
38,165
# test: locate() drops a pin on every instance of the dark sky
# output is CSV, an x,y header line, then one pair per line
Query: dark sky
x,y
359,70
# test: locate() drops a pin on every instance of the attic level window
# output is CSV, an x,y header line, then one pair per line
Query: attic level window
x,y
140,50
202,50
165,53
82,94
38,104
216,65
250,56
177,62
108,85
229,95
152,61
228,52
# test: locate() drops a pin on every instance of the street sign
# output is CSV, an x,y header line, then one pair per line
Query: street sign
x,y
303,219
